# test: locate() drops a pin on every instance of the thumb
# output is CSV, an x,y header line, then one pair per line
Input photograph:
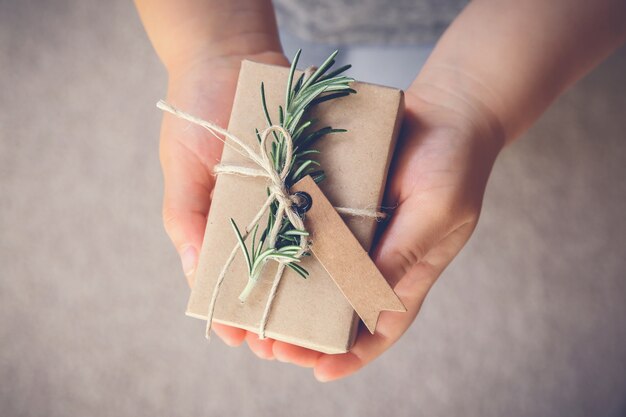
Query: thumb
x,y
419,242
186,202
185,229
417,227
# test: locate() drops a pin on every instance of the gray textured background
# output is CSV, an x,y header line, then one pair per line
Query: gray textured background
x,y
529,320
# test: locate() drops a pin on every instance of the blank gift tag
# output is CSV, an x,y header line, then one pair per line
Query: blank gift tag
x,y
345,260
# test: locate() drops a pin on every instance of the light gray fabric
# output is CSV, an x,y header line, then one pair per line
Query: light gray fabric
x,y
395,65
529,320
368,21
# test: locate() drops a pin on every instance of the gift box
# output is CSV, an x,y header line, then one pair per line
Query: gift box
x,y
310,312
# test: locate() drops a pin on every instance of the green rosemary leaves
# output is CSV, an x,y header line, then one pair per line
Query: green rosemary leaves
x,y
308,90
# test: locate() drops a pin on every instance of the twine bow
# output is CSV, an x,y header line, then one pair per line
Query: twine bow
x,y
278,192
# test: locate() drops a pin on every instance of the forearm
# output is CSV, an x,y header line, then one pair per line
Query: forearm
x,y
505,61
188,30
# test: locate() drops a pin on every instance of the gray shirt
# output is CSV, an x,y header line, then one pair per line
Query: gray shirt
x,y
367,21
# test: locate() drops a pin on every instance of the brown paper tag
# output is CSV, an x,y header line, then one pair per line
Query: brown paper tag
x,y
345,260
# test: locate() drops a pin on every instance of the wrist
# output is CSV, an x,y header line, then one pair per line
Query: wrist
x,y
204,63
206,84
463,101
224,56
187,31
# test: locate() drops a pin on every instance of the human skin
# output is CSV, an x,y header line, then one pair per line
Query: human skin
x,y
492,74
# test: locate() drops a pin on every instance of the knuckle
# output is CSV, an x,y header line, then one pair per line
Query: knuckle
x,y
409,256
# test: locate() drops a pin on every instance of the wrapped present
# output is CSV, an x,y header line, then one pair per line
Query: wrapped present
x,y
307,308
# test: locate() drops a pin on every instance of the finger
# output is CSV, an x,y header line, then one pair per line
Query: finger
x,y
332,367
260,347
232,336
286,352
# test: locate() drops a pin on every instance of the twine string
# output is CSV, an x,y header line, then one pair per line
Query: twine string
x,y
278,192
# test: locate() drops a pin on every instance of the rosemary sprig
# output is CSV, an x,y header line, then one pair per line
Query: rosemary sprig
x,y
256,257
300,97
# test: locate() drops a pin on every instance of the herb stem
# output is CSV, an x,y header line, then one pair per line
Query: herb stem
x,y
307,92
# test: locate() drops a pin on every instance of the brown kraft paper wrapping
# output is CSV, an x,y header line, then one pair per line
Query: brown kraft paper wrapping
x,y
309,312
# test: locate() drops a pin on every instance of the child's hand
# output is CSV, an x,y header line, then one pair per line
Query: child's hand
x,y
494,71
438,179
202,44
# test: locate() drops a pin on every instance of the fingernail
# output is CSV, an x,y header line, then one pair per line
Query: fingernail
x,y
280,358
230,343
321,378
189,259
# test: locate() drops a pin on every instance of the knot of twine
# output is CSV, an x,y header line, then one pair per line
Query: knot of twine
x,y
278,192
